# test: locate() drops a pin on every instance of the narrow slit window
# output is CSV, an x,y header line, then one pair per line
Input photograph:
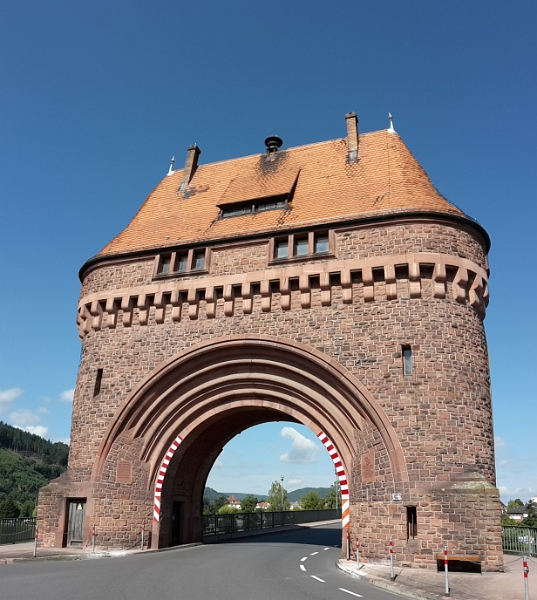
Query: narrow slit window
x,y
408,361
98,380
199,260
411,522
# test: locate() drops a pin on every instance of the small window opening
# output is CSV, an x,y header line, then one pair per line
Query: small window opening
x,y
411,522
321,244
199,260
98,379
182,263
165,264
301,246
408,360
281,249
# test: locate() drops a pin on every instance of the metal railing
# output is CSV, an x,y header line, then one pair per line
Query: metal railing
x,y
228,524
17,530
519,540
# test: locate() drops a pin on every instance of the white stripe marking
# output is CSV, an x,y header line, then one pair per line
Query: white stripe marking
x,y
351,593
318,578
314,553
326,548
303,559
303,567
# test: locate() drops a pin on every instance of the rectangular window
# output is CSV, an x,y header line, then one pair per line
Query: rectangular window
x,y
408,360
182,263
411,523
199,260
98,379
301,246
281,248
165,264
321,244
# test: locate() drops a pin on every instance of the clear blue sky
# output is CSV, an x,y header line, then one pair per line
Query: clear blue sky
x,y
96,97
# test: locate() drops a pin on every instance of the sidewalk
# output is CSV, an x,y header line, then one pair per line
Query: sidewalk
x,y
425,584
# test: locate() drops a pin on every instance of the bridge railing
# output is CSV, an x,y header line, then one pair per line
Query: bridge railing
x,y
519,540
227,524
17,530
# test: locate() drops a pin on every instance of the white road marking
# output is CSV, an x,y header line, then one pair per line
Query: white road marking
x,y
303,567
303,559
326,548
314,553
349,592
318,578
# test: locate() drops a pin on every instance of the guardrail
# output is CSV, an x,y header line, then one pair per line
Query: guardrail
x,y
17,530
228,524
519,540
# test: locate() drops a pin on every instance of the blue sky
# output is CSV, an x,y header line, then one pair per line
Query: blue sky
x,y
96,98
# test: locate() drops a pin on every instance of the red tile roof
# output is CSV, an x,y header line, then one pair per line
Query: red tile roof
x,y
387,179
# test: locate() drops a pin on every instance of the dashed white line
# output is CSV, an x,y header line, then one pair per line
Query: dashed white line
x,y
318,578
314,553
326,548
351,593
303,559
303,567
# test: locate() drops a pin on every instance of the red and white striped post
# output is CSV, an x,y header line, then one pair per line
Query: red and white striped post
x,y
358,551
348,545
392,573
526,573
143,532
93,538
446,570
35,540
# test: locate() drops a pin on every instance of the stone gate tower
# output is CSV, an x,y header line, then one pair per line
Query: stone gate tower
x,y
328,284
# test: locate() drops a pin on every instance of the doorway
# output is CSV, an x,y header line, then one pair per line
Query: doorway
x,y
75,526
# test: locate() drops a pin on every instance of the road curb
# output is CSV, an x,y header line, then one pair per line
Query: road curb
x,y
394,587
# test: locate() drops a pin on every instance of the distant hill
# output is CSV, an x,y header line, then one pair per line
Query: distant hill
x,y
27,463
212,495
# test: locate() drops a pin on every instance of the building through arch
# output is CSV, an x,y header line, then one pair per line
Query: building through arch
x,y
329,285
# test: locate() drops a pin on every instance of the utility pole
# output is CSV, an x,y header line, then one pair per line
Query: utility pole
x,y
282,492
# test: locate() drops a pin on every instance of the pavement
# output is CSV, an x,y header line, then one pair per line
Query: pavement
x,y
428,584
420,584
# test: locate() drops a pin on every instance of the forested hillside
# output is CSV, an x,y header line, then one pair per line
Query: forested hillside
x,y
27,463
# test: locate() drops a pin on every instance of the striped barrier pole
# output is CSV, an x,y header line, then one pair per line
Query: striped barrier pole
x,y
392,573
446,571
35,540
93,538
358,551
526,573
143,532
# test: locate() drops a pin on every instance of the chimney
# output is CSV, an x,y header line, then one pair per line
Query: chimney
x,y
190,167
352,137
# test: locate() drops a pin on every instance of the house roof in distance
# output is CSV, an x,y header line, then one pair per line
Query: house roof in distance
x,y
322,183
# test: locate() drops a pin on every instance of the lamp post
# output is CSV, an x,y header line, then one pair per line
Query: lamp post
x,y
282,492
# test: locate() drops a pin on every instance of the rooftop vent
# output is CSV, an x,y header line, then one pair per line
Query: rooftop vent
x,y
273,143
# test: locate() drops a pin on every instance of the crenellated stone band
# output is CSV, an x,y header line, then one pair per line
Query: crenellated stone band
x,y
469,283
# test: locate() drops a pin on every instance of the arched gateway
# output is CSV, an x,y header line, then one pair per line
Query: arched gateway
x,y
329,285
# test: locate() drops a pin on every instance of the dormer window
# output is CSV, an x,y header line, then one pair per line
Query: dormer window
x,y
255,206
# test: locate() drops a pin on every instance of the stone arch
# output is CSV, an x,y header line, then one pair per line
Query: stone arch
x,y
217,389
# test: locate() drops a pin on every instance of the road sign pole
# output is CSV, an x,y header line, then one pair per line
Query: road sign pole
x,y
35,540
392,573
526,582
446,570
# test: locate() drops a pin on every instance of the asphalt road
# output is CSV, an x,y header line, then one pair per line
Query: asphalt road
x,y
293,565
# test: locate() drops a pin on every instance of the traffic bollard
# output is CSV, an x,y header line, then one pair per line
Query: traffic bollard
x,y
93,538
358,551
143,532
348,545
392,573
35,540
446,570
526,582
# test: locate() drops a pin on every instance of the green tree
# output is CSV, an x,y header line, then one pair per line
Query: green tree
x,y
312,501
211,508
9,510
275,497
517,503
228,510
531,519
330,500
248,504
27,509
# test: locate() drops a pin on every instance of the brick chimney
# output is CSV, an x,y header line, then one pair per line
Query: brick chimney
x,y
191,165
352,137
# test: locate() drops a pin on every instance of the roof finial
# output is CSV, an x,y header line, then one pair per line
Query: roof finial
x,y
170,170
391,129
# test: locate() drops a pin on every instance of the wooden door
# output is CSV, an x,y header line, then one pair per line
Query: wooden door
x,y
75,528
